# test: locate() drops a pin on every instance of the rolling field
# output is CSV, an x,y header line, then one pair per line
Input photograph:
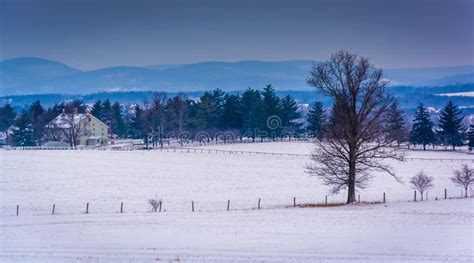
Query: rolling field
x,y
35,180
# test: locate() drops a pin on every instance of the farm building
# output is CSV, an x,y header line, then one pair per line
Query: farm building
x,y
78,129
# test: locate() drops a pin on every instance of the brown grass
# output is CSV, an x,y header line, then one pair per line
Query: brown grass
x,y
322,205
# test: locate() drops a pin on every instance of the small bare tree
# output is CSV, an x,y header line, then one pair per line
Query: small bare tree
x,y
73,130
464,177
154,203
356,141
421,182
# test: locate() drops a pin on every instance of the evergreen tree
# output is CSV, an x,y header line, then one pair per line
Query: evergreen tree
x,y
136,128
106,112
451,126
97,110
117,122
271,104
470,137
210,110
231,113
7,117
253,115
396,123
206,115
37,116
75,106
23,131
422,129
289,115
317,120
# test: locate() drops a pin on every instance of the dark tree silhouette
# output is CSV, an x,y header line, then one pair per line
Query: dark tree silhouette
x,y
397,130
470,137
289,116
117,123
136,128
317,120
253,114
23,131
422,130
450,123
358,143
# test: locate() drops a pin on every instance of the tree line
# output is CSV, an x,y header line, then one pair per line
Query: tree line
x,y
449,130
253,114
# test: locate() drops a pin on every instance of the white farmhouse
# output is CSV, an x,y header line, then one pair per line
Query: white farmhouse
x,y
78,129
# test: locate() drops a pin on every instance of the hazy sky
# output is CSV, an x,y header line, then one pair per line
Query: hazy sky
x,y
91,34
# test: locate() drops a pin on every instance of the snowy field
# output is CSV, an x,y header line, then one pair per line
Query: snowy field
x,y
397,231
457,94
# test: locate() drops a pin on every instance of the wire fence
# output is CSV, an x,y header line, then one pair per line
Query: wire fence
x,y
193,206
233,152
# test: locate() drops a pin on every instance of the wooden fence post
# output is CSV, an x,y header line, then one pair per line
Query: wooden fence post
x,y
259,203
384,197
414,199
294,201
192,205
326,199
228,205
426,195
17,210
87,208
121,207
358,198
160,205
445,193
54,206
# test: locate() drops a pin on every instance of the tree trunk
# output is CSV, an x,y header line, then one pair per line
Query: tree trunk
x,y
421,196
465,194
351,184
424,147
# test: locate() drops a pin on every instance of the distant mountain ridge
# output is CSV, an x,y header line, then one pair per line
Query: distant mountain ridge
x,y
39,76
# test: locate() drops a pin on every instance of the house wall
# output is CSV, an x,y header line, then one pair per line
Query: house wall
x,y
90,126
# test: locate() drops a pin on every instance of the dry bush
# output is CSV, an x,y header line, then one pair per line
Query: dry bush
x,y
308,205
154,203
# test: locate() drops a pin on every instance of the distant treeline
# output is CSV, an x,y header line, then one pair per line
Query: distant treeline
x,y
251,114
409,97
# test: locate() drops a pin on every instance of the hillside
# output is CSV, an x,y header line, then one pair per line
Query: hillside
x,y
39,76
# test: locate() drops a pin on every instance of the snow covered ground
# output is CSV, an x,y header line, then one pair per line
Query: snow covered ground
x,y
439,231
457,94
398,231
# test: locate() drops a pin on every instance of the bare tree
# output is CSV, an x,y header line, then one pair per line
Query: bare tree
x,y
464,177
67,126
177,108
73,128
421,182
356,141
158,115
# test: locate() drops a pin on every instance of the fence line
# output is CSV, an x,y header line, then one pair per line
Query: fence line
x,y
236,152
258,205
143,146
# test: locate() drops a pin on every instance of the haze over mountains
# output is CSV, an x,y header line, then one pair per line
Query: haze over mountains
x,y
39,76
